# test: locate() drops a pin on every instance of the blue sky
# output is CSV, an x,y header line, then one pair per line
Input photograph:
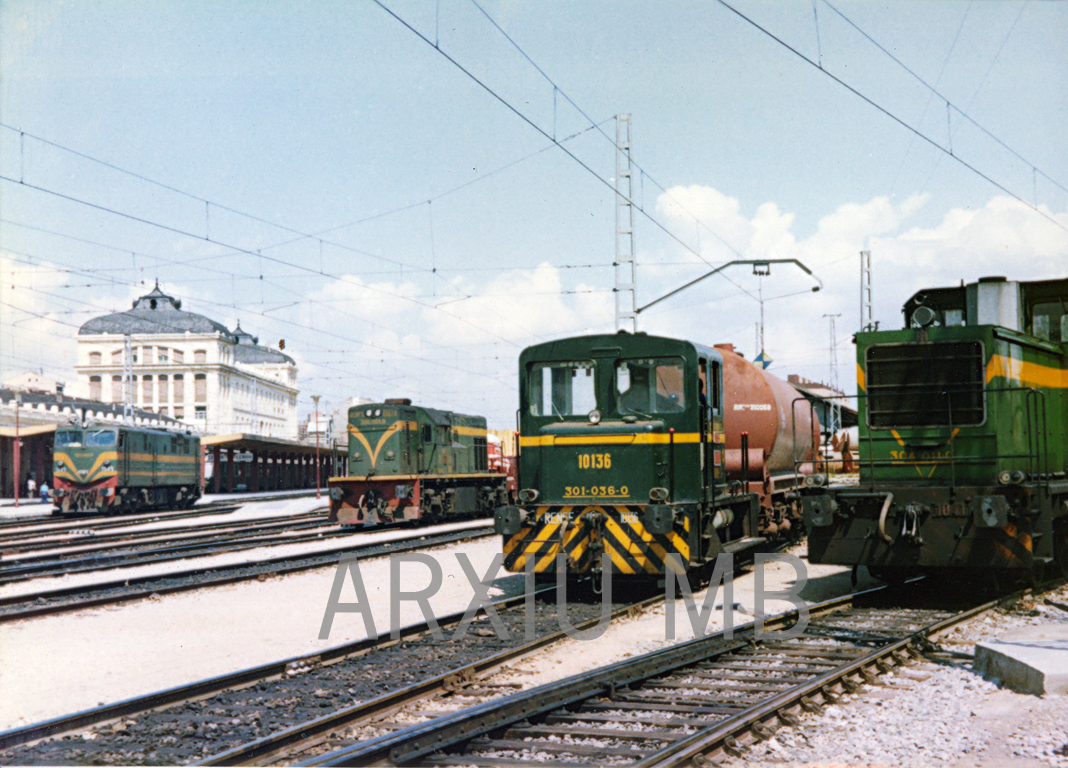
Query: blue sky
x,y
323,174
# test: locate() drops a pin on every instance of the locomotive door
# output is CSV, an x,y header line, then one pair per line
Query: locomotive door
x,y
124,457
711,387
707,470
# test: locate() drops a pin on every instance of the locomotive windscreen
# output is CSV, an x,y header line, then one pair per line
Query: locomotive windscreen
x,y
921,385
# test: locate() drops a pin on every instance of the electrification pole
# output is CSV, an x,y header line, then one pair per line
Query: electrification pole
x,y
865,291
626,314
835,409
318,495
127,380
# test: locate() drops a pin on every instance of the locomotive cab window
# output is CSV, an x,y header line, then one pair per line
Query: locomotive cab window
x,y
708,388
68,439
1049,321
562,389
428,434
101,438
650,385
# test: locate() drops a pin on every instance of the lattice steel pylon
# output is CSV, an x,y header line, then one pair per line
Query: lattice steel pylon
x,y
127,380
626,317
866,322
834,411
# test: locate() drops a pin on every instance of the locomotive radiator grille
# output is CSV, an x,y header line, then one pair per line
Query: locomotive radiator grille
x,y
925,385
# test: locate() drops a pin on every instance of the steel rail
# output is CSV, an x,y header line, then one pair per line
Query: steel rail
x,y
418,741
166,553
83,540
62,520
738,730
202,579
242,678
284,741
50,525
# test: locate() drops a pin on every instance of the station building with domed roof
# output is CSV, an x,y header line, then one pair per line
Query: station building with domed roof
x,y
190,368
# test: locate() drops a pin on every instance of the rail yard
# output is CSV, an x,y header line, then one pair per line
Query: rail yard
x,y
646,465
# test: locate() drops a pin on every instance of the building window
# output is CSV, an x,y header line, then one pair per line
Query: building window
x,y
94,358
146,389
162,355
94,387
179,356
116,357
200,388
201,413
163,389
179,388
200,356
147,352
179,412
116,389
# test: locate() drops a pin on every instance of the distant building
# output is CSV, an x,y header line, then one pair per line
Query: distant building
x,y
189,367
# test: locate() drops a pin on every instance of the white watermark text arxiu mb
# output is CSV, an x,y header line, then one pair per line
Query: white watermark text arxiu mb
x,y
722,577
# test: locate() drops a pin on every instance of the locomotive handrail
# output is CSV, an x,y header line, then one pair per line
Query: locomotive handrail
x,y
1036,456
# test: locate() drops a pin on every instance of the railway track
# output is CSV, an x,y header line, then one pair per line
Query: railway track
x,y
259,711
61,521
89,539
67,599
684,705
163,552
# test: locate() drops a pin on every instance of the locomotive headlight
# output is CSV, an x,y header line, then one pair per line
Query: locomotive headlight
x,y
815,481
107,467
335,494
595,416
390,454
356,455
528,495
658,494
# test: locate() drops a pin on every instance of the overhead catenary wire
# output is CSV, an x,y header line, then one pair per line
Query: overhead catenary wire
x,y
239,249
885,111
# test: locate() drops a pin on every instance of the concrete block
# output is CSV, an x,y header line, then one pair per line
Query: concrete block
x,y
1032,660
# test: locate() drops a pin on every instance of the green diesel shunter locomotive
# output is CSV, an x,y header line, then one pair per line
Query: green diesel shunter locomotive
x,y
624,451
963,438
407,462
118,468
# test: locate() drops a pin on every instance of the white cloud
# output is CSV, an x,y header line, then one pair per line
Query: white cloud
x,y
36,333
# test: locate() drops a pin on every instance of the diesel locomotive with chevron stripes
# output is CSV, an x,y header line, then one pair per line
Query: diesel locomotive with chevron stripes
x,y
963,439
109,468
626,451
408,462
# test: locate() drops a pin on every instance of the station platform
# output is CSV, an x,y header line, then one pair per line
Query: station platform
x,y
1032,660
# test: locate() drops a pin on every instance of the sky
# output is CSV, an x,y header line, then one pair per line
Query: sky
x,y
410,193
